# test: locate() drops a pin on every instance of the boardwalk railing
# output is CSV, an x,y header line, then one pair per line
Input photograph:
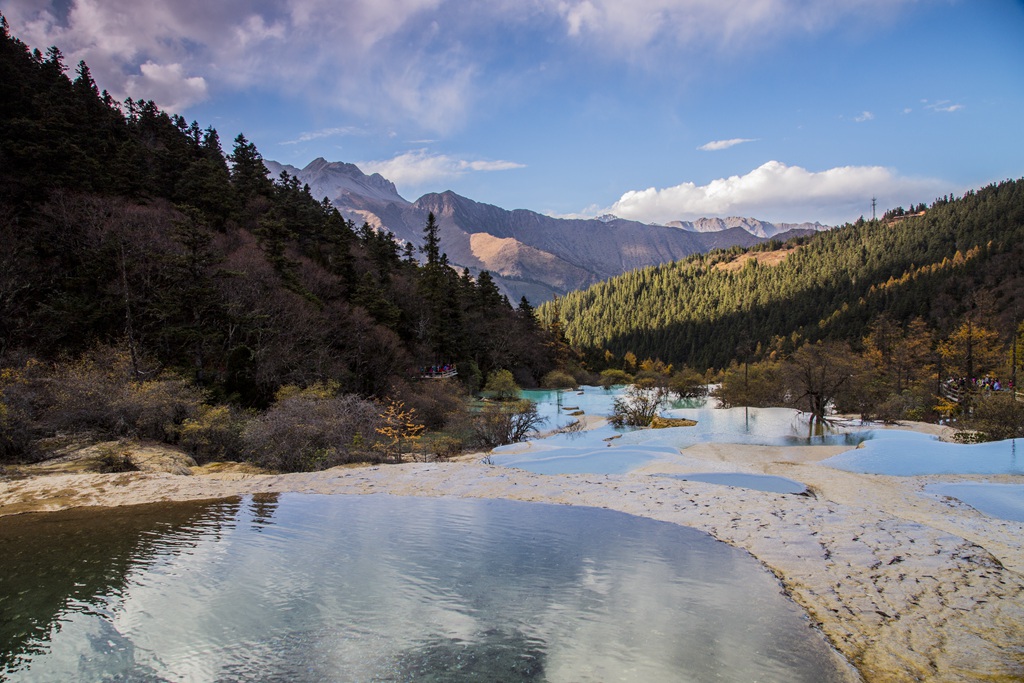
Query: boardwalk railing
x,y
442,372
952,391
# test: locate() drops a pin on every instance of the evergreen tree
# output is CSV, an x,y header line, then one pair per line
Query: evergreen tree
x,y
248,174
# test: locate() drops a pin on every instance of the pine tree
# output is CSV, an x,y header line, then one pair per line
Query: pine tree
x,y
248,174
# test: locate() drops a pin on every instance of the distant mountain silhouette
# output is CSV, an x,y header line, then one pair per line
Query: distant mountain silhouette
x,y
529,254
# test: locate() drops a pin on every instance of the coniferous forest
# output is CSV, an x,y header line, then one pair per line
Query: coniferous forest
x,y
152,284
962,258
891,318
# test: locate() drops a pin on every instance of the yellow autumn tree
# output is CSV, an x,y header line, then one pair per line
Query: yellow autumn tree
x,y
400,430
973,350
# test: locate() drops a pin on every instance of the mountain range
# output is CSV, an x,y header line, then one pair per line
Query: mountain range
x,y
528,254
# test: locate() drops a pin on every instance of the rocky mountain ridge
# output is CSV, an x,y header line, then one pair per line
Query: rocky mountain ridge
x,y
337,180
528,253
752,225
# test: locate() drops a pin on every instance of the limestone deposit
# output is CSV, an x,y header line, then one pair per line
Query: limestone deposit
x,y
905,585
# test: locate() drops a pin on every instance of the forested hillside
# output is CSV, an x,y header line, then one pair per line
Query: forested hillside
x,y
129,241
961,259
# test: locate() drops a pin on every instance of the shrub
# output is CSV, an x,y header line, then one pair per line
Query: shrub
x,y
993,417
437,401
156,409
113,459
215,433
312,430
638,406
500,424
613,376
557,379
21,397
502,386
583,376
445,447
688,383
101,392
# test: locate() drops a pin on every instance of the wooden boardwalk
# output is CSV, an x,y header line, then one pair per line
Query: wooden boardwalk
x,y
440,374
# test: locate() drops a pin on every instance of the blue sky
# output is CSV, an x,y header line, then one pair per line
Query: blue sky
x,y
656,110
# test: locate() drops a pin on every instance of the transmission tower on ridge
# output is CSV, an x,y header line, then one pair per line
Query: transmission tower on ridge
x,y
873,201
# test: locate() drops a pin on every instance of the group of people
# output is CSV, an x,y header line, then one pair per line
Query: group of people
x,y
438,370
982,384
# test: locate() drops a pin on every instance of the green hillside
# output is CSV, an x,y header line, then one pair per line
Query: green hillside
x,y
962,256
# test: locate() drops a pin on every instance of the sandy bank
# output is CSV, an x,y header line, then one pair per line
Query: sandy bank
x,y
906,586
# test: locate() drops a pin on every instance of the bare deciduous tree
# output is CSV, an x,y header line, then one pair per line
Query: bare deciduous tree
x,y
819,374
504,423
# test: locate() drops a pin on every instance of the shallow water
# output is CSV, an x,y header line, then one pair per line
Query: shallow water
x,y
1005,501
378,588
608,450
905,454
757,482
758,426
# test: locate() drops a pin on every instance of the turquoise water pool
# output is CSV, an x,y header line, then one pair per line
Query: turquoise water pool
x,y
608,450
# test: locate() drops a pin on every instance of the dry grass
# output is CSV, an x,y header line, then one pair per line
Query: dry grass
x,y
763,258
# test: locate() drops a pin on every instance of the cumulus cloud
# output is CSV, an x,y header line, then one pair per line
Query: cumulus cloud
x,y
864,116
168,86
716,145
420,167
369,56
777,192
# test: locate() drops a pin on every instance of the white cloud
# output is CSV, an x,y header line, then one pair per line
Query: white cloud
x,y
723,23
777,192
716,145
420,167
421,63
942,106
168,86
864,116
370,56
325,133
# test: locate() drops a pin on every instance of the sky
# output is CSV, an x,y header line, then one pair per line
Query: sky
x,y
653,110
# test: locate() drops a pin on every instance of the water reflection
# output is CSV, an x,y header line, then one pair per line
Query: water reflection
x,y
379,588
608,450
74,562
757,426
263,506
